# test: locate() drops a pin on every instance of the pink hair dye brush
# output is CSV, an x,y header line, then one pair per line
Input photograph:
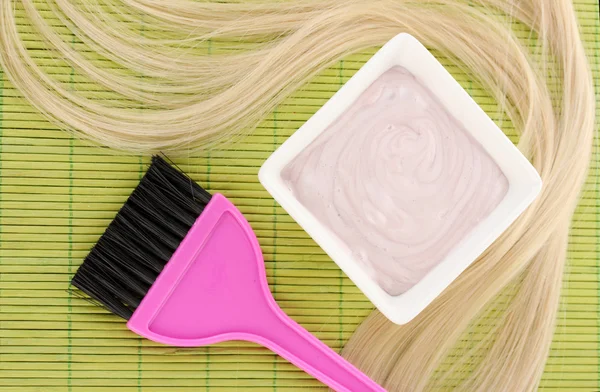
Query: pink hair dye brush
x,y
185,269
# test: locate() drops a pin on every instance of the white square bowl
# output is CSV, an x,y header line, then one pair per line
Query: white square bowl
x,y
524,182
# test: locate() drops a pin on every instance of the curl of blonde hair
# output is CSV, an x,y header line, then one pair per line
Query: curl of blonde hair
x,y
191,100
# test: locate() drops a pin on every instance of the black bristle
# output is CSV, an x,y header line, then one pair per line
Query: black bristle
x,y
121,267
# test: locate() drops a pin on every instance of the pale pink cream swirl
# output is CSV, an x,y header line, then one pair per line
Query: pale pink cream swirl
x,y
398,180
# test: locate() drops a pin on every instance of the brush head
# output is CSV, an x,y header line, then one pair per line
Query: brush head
x,y
126,260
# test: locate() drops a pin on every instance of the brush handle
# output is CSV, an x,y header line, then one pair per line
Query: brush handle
x,y
214,289
288,339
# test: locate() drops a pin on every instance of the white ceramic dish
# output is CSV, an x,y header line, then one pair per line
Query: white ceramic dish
x,y
524,182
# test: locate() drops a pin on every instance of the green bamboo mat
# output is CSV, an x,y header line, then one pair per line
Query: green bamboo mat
x,y
58,194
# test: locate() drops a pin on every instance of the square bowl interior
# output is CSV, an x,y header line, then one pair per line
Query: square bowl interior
x,y
524,182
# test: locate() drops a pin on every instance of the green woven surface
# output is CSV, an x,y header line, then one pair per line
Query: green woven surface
x,y
58,194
